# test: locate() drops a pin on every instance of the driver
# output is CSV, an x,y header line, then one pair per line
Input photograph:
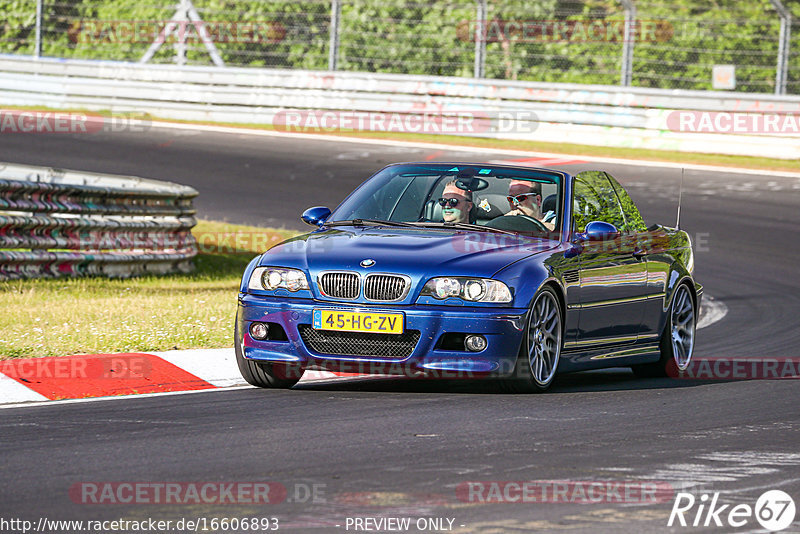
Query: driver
x,y
456,203
525,198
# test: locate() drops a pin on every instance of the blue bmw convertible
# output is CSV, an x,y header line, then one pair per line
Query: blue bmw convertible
x,y
471,270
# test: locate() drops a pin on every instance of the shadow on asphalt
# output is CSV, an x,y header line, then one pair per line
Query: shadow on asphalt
x,y
581,382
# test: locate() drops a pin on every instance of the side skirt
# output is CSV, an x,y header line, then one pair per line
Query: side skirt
x,y
582,360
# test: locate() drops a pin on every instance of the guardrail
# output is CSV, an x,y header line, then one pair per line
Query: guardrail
x,y
572,113
64,223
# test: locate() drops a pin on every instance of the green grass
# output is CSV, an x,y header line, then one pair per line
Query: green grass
x,y
63,316
93,315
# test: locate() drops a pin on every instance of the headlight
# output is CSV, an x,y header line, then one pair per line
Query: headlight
x,y
272,278
472,289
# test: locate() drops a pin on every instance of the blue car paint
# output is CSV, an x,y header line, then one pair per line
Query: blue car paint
x,y
446,252
525,264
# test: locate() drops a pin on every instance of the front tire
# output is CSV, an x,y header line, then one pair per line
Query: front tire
x,y
540,351
677,340
264,374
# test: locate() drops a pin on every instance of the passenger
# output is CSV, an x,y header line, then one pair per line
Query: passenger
x,y
525,198
456,204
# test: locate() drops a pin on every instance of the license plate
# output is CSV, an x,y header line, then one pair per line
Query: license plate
x,y
345,321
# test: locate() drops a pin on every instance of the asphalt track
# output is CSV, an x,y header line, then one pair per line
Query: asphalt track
x,y
402,448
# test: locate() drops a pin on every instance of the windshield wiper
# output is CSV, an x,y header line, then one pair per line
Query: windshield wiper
x,y
370,222
464,226
421,224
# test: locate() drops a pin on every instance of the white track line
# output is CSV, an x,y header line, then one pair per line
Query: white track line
x,y
116,398
711,311
314,377
218,367
472,149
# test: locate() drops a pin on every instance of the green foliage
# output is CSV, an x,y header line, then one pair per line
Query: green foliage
x,y
406,37
17,28
433,38
744,34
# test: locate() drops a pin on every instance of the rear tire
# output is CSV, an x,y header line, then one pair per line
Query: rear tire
x,y
677,340
537,361
264,374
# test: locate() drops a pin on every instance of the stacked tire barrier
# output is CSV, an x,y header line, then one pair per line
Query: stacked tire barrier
x,y
63,223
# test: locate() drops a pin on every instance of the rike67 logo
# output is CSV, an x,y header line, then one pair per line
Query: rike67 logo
x,y
774,510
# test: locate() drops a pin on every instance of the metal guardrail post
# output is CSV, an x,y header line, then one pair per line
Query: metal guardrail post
x,y
333,47
480,40
37,47
626,74
781,73
180,45
185,15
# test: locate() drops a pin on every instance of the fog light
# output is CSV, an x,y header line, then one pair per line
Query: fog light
x,y
259,330
475,343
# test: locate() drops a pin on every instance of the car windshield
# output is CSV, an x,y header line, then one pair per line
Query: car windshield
x,y
518,200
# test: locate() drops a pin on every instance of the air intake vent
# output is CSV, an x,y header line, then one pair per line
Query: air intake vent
x,y
339,285
385,287
355,344
572,277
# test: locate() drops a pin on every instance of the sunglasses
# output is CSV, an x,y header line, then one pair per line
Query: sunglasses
x,y
518,199
452,202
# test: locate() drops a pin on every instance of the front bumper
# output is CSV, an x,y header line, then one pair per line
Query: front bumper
x,y
502,328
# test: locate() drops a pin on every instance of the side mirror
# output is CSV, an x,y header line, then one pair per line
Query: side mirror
x,y
316,216
598,231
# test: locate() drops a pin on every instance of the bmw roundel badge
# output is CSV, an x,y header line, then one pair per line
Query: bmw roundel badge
x,y
369,262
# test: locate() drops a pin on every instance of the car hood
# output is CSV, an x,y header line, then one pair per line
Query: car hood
x,y
414,252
